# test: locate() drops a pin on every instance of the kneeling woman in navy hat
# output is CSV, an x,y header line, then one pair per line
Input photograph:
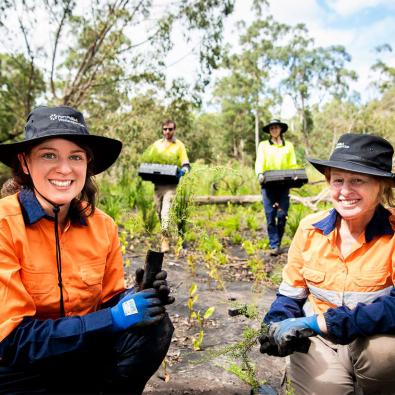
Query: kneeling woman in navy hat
x,y
338,284
67,323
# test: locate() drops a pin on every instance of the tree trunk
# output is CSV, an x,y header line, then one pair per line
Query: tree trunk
x,y
308,201
256,129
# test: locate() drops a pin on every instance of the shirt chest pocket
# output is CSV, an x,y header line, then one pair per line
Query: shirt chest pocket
x,y
38,283
371,280
88,293
92,273
313,276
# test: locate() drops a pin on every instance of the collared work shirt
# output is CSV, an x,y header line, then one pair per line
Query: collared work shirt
x,y
170,152
355,291
92,273
275,157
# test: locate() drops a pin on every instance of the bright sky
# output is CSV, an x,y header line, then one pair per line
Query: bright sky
x,y
358,25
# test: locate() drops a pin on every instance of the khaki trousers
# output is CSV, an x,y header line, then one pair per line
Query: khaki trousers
x,y
365,366
163,198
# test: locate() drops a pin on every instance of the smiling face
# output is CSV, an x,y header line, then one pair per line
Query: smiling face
x,y
354,195
58,168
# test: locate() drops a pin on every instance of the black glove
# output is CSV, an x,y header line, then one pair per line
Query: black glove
x,y
295,345
292,334
268,348
160,285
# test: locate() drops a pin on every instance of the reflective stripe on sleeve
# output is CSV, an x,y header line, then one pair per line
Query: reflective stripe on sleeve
x,y
349,298
292,292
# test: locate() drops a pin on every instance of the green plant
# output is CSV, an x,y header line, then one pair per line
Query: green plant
x,y
191,261
249,247
145,205
181,206
197,341
192,299
237,353
296,213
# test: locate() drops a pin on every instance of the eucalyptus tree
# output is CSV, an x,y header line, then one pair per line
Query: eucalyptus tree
x,y
314,74
97,54
20,85
248,91
386,72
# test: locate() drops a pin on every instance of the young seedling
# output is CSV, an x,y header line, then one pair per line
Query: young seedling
x,y
197,341
192,299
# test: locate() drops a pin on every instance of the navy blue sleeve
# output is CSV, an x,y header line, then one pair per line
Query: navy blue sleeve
x,y
35,339
284,307
345,325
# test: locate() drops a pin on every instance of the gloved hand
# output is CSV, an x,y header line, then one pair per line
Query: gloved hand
x,y
139,309
180,172
296,345
267,347
286,333
261,178
160,284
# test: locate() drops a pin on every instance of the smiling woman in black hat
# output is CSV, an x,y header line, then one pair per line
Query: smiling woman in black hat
x,y
275,153
336,302
67,322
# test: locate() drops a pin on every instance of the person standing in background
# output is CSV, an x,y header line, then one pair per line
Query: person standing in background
x,y
275,153
167,150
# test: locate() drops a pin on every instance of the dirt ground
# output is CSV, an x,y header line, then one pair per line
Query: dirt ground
x,y
197,372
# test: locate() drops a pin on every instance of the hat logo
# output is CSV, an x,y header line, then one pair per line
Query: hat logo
x,y
342,145
65,118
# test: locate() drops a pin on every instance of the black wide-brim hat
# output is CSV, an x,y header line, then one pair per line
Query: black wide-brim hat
x,y
283,126
360,153
62,122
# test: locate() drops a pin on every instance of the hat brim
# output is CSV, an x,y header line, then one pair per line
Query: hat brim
x,y
321,165
105,150
283,126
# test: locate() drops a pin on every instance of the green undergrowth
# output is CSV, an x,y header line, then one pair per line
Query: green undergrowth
x,y
211,232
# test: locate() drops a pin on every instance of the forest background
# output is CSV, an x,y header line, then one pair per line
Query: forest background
x,y
106,58
109,59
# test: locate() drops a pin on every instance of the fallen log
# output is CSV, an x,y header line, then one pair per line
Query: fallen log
x,y
308,201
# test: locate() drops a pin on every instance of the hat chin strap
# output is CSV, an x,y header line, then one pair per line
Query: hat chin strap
x,y
55,209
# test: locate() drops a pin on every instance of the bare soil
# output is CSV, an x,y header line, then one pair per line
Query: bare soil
x,y
197,372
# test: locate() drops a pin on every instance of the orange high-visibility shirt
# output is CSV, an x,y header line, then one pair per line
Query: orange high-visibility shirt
x,y
92,268
316,269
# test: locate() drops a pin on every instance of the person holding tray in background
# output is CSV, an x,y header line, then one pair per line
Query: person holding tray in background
x,y
275,153
171,151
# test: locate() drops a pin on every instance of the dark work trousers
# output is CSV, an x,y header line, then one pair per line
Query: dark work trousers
x,y
276,204
120,364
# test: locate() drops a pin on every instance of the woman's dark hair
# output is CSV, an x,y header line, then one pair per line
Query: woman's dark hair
x,y
281,137
80,207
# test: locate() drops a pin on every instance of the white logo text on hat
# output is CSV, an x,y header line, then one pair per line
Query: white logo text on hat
x,y
342,145
65,118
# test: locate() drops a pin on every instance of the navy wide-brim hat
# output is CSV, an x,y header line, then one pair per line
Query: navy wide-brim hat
x,y
283,126
62,122
360,153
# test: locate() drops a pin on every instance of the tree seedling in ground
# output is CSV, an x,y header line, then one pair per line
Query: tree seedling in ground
x,y
192,299
196,315
197,341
